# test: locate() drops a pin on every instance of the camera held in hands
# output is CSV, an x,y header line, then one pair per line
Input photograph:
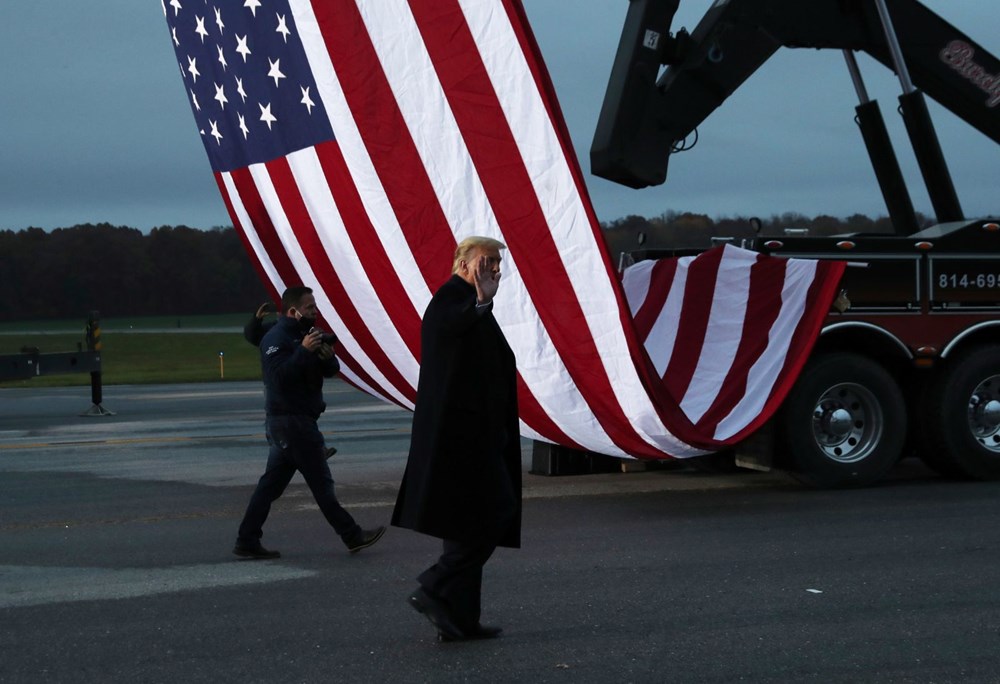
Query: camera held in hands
x,y
325,337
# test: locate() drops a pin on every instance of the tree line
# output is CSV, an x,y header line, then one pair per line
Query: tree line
x,y
177,270
121,271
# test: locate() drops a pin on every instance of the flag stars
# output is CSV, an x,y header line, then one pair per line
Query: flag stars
x,y
193,69
266,116
215,131
241,47
275,71
306,100
282,27
200,27
223,88
220,95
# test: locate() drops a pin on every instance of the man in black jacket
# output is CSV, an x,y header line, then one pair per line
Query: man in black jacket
x,y
294,360
463,477
257,327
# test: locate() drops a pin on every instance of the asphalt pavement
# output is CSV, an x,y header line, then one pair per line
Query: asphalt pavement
x,y
115,563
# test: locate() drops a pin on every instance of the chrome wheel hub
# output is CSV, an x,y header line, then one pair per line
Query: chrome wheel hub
x,y
984,413
847,422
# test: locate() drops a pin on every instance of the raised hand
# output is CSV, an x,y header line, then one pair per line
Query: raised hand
x,y
486,274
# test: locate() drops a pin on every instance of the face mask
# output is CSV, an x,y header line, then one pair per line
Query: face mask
x,y
305,324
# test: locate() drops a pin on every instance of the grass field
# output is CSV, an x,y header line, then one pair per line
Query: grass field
x,y
181,355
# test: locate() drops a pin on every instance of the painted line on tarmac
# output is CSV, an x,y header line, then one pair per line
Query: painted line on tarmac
x,y
124,441
173,440
25,585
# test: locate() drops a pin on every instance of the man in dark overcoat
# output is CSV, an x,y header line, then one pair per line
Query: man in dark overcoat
x,y
463,477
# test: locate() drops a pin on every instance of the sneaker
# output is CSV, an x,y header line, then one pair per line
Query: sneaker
x,y
366,539
330,451
257,552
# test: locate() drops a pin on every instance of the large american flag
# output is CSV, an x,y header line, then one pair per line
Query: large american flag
x,y
355,142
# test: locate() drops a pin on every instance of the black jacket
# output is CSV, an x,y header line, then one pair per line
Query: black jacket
x,y
293,375
463,475
255,329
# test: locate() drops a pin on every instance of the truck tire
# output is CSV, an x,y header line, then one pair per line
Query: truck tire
x,y
921,444
964,424
843,424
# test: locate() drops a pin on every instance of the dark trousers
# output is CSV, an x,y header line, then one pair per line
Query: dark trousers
x,y
296,444
457,578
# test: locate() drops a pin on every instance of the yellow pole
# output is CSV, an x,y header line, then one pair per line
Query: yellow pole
x,y
222,367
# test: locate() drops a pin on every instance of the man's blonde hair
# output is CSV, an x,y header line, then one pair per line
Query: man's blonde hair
x,y
469,244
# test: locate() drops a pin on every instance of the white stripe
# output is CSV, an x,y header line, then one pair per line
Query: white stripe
x,y
326,217
566,216
272,273
362,385
246,225
663,334
723,332
635,282
283,229
764,372
358,162
463,200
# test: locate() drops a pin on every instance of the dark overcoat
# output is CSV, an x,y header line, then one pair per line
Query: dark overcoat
x,y
463,476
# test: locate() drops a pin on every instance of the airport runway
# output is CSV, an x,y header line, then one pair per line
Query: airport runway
x,y
114,563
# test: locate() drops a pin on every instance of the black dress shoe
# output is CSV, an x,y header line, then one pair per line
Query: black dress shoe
x,y
477,632
366,539
257,552
437,612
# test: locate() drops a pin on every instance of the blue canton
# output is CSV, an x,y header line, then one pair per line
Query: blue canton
x,y
247,78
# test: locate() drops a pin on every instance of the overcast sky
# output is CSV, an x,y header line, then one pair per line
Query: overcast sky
x,y
95,124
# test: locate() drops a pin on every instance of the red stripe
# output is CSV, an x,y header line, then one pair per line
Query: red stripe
x,y
537,419
660,281
821,294
699,291
508,187
255,209
242,231
373,259
767,277
401,171
386,138
261,220
312,247
668,409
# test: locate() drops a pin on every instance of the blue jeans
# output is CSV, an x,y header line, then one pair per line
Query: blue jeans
x,y
296,444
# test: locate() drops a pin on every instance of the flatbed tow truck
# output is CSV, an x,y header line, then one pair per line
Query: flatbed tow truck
x,y
912,365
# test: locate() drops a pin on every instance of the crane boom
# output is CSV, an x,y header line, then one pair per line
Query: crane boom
x,y
645,116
